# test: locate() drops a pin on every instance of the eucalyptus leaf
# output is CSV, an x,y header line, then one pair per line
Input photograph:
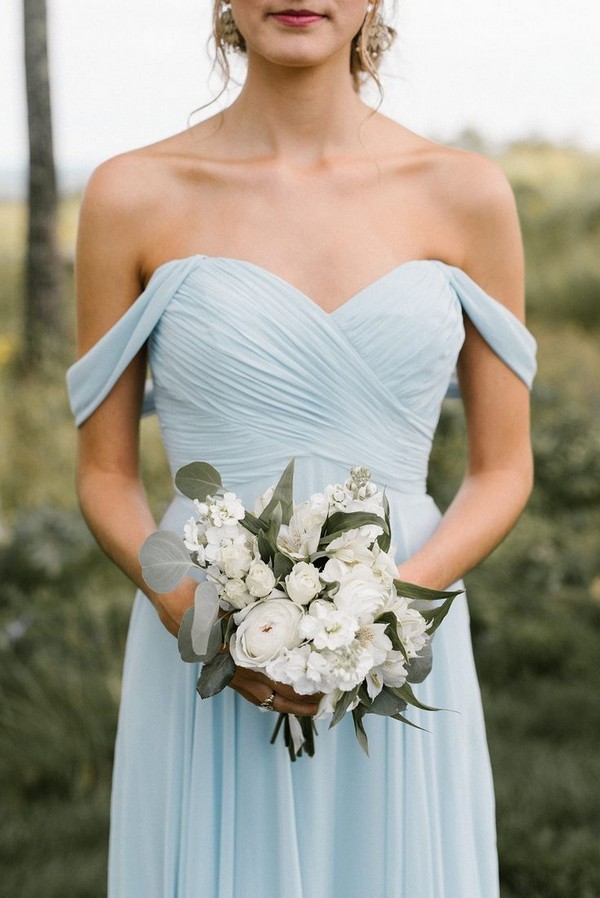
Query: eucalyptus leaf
x,y
165,560
420,667
215,675
206,610
184,639
198,480
386,704
283,493
343,705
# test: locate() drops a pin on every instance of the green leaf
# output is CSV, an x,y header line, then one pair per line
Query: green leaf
x,y
409,722
283,493
198,480
406,693
436,615
165,560
282,565
251,522
184,639
216,674
414,591
391,631
343,705
384,539
359,729
386,703
420,667
265,547
341,521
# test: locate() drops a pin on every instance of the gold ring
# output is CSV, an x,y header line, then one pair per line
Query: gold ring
x,y
267,705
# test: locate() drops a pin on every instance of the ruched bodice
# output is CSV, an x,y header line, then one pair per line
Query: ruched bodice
x,y
248,371
243,361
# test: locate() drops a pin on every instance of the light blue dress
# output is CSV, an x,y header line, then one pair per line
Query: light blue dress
x,y
247,372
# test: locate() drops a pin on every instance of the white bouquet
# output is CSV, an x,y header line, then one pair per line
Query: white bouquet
x,y
306,593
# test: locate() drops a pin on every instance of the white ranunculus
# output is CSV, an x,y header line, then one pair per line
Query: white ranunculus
x,y
328,626
234,559
300,537
260,579
361,597
235,592
303,583
267,629
302,668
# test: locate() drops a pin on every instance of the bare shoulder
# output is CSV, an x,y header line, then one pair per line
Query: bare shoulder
x,y
480,203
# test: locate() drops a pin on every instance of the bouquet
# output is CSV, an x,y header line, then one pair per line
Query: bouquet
x,y
306,593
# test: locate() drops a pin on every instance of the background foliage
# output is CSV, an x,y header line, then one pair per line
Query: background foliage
x,y
535,603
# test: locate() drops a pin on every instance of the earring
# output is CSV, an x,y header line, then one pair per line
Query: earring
x,y
230,35
378,38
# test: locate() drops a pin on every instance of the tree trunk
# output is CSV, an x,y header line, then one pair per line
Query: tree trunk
x,y
43,314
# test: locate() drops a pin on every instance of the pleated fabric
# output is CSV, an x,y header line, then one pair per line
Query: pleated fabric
x,y
248,371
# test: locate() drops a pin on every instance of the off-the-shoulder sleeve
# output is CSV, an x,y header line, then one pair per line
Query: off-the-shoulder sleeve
x,y
92,377
500,328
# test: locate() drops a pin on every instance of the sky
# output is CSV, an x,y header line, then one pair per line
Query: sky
x,y
125,73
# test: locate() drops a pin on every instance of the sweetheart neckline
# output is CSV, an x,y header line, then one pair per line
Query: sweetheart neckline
x,y
266,272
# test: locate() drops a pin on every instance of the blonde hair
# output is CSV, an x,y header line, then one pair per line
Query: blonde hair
x,y
364,59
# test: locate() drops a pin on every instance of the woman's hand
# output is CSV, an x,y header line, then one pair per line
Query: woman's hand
x,y
256,688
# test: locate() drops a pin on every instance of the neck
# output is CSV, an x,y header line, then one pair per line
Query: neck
x,y
302,114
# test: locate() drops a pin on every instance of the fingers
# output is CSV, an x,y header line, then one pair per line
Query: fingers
x,y
257,688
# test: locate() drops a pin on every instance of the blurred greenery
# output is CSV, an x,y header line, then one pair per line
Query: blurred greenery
x,y
535,602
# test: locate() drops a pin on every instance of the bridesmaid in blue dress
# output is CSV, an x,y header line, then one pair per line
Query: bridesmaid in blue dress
x,y
303,276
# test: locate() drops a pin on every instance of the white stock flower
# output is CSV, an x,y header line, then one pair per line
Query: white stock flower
x,y
260,579
303,583
221,511
300,537
302,668
263,500
328,626
235,592
194,537
234,559
267,628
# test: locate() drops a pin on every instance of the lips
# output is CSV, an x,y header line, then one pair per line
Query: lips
x,y
297,18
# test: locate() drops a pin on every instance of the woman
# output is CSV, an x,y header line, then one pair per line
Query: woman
x,y
297,269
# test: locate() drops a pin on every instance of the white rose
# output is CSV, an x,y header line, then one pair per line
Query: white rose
x,y
235,592
267,629
234,559
260,579
303,583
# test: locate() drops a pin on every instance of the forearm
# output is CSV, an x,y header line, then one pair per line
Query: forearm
x,y
483,512
117,512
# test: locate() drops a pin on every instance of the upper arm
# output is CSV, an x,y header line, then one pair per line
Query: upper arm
x,y
107,282
496,401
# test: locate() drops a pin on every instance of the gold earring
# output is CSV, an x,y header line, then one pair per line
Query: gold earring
x,y
231,37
